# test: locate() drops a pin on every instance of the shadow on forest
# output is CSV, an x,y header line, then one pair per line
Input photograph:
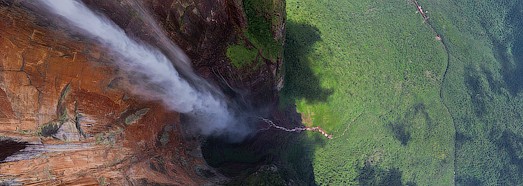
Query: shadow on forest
x,y
512,143
512,70
373,175
401,127
477,91
511,60
292,153
301,83
300,80
508,142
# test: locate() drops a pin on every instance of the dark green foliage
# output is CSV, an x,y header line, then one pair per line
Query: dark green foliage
x,y
369,72
221,154
373,175
512,71
241,56
265,177
468,181
483,87
401,128
400,132
297,154
380,61
49,129
300,80
513,144
461,139
494,84
476,90
260,15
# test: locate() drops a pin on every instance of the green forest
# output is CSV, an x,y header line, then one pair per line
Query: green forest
x,y
409,101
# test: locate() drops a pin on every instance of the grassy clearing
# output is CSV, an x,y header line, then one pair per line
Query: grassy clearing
x,y
370,74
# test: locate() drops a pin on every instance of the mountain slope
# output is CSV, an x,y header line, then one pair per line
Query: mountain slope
x,y
370,73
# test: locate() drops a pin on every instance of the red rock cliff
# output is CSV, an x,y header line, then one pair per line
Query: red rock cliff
x,y
61,98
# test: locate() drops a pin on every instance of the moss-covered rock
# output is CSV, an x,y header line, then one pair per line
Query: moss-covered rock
x,y
241,56
133,118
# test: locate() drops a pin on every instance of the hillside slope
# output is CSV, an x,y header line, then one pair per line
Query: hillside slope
x,y
370,73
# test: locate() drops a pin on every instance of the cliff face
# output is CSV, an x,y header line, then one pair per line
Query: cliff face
x,y
207,30
62,101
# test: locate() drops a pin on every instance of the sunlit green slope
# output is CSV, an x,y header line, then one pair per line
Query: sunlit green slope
x,y
370,73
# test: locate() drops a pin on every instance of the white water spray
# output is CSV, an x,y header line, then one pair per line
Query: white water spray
x,y
153,74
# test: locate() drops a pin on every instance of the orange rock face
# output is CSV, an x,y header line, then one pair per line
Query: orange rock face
x,y
60,94
63,102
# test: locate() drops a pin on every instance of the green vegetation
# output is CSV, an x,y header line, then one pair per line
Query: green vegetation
x,y
106,139
61,108
101,181
371,175
265,176
49,129
133,118
262,16
241,56
372,74
483,87
369,72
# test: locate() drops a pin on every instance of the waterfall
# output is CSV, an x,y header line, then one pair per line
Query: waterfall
x,y
152,72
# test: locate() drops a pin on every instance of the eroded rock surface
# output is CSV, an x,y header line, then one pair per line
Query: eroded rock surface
x,y
63,101
57,94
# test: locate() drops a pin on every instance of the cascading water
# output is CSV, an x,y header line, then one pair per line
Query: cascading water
x,y
154,75
153,72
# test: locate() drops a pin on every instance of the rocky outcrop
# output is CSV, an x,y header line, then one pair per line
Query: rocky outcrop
x,y
206,29
63,103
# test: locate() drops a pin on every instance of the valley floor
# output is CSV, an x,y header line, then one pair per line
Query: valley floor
x,y
408,101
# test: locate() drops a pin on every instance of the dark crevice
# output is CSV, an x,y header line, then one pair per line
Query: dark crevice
x,y
10,147
77,119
